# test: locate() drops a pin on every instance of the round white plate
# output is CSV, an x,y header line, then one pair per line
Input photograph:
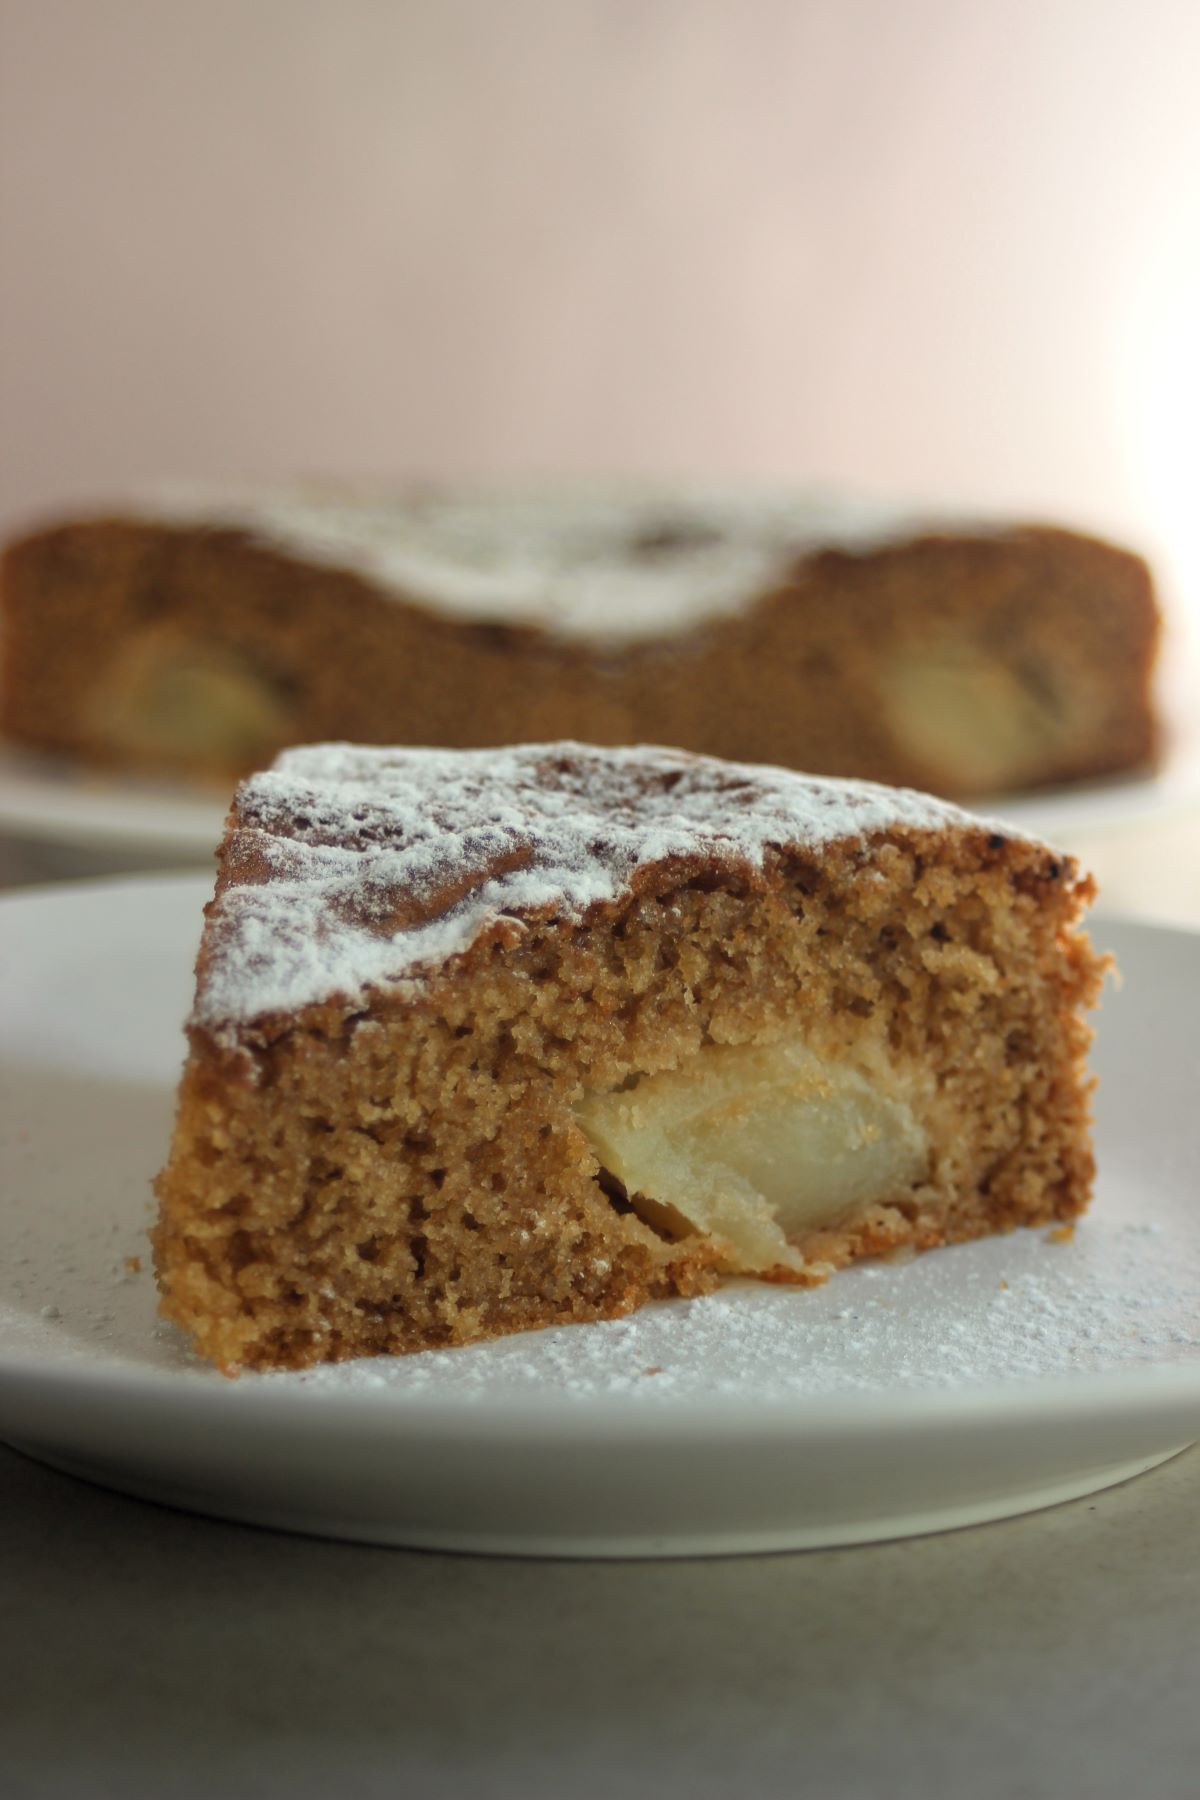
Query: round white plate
x,y
966,1385
55,801
161,823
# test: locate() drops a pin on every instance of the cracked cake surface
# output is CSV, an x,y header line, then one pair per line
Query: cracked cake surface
x,y
491,1040
350,866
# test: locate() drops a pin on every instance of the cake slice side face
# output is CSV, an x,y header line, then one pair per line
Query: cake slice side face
x,y
497,1040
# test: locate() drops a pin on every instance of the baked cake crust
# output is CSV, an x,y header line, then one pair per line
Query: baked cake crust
x,y
430,983
964,657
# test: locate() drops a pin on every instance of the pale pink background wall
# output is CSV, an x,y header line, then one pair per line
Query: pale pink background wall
x,y
949,247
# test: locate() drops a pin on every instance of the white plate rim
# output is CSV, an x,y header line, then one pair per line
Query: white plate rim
x,y
1171,1391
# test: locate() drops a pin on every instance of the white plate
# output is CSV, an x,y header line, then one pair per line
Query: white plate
x,y
967,1385
160,823
54,801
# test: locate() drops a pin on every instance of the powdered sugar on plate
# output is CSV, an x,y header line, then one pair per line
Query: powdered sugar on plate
x,y
356,867
1122,1294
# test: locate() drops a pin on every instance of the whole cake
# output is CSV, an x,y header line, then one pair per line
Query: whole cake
x,y
491,1040
206,633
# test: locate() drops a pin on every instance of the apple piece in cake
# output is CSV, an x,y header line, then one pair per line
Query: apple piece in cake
x,y
489,1040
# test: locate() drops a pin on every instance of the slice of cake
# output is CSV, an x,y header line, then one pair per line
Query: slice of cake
x,y
499,1039
963,656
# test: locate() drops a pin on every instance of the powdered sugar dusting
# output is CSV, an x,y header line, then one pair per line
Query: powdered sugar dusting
x,y
358,867
609,564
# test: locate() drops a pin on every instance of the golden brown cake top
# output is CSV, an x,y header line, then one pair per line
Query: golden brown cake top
x,y
347,868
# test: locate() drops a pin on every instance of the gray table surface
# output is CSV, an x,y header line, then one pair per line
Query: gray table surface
x,y
148,1652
